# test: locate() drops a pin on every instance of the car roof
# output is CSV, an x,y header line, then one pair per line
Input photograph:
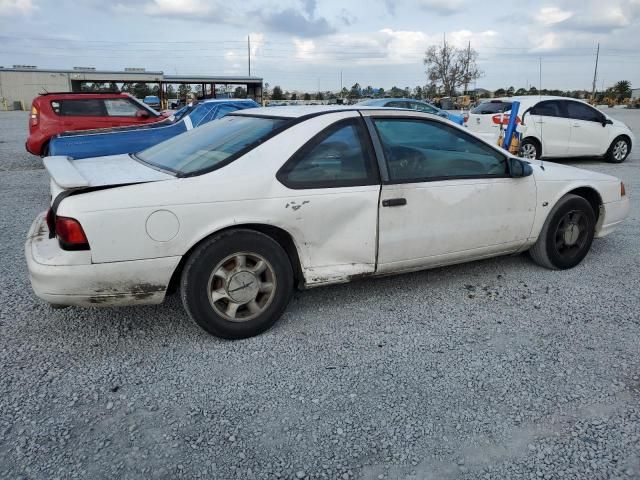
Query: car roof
x,y
296,111
375,101
530,98
225,100
83,94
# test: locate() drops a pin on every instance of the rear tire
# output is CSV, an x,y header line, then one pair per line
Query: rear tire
x,y
618,151
237,284
567,234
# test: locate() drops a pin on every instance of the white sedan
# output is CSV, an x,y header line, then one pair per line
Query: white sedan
x,y
555,127
239,212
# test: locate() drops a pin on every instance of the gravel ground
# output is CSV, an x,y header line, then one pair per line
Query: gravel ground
x,y
492,370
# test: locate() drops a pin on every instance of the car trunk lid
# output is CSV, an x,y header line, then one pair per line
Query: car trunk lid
x,y
67,174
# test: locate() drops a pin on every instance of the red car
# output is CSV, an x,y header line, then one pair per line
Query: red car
x,y
54,113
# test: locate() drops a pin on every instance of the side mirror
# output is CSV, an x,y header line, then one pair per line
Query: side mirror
x,y
519,168
142,114
606,121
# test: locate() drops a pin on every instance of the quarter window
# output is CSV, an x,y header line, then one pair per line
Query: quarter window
x,y
80,108
120,107
397,104
422,150
581,111
338,157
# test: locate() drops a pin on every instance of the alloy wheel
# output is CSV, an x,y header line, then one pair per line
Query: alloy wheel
x,y
528,150
242,286
620,150
571,234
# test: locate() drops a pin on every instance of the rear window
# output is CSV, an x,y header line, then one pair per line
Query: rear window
x,y
486,108
210,146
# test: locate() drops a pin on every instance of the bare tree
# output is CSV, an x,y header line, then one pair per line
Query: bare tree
x,y
451,67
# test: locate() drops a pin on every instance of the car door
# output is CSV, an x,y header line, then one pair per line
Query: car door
x,y
333,190
446,195
589,136
548,122
81,114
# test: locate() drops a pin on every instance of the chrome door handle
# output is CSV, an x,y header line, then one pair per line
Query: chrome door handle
x,y
577,125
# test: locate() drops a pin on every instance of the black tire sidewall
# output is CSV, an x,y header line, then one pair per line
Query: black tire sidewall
x,y
198,269
574,203
610,157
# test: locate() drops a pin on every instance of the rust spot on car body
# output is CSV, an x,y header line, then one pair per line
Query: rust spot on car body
x,y
115,293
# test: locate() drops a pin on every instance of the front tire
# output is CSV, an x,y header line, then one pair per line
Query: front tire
x,y
567,234
618,151
530,149
237,284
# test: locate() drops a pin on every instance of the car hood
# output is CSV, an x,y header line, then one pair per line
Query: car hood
x,y
556,172
68,174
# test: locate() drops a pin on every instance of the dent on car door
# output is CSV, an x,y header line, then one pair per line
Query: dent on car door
x,y
334,202
448,197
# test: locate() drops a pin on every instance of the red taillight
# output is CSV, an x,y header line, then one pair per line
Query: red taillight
x,y
505,119
70,234
35,116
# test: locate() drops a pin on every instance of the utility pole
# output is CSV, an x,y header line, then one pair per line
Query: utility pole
x,y
540,78
466,77
341,95
249,52
595,73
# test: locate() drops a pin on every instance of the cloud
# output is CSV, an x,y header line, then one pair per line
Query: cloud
x,y
551,15
292,22
442,7
309,7
16,7
589,16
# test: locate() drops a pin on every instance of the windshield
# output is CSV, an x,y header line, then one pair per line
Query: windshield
x,y
493,106
205,147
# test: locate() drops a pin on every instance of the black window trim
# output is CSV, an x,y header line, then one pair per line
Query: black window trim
x,y
318,138
383,160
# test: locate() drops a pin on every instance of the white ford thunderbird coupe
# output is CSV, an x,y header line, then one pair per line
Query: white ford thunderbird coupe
x,y
238,213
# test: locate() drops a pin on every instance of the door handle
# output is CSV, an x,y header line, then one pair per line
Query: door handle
x,y
394,202
577,125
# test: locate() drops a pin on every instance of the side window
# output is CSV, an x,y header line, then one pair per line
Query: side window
x,y
80,108
421,107
397,104
550,108
120,107
581,111
422,150
339,156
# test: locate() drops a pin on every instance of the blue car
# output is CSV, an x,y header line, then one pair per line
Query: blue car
x,y
114,141
152,100
412,104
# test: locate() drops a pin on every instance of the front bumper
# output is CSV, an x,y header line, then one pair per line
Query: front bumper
x,y
612,214
65,277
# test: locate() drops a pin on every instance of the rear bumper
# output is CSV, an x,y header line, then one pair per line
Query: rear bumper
x,y
612,215
69,278
34,145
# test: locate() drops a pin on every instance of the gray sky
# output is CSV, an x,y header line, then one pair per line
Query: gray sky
x,y
303,44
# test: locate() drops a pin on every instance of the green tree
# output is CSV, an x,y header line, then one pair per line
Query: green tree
x,y
380,93
355,91
533,90
277,93
622,89
521,91
240,92
141,90
418,93
501,92
510,91
319,96
396,92
294,96
113,87
171,91
183,89
306,97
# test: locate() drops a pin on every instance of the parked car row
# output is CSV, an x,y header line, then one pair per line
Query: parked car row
x,y
555,127
238,212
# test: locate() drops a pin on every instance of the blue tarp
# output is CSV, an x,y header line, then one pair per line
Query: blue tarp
x,y
114,141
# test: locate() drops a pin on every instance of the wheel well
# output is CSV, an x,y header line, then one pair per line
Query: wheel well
x,y
626,137
281,236
591,196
